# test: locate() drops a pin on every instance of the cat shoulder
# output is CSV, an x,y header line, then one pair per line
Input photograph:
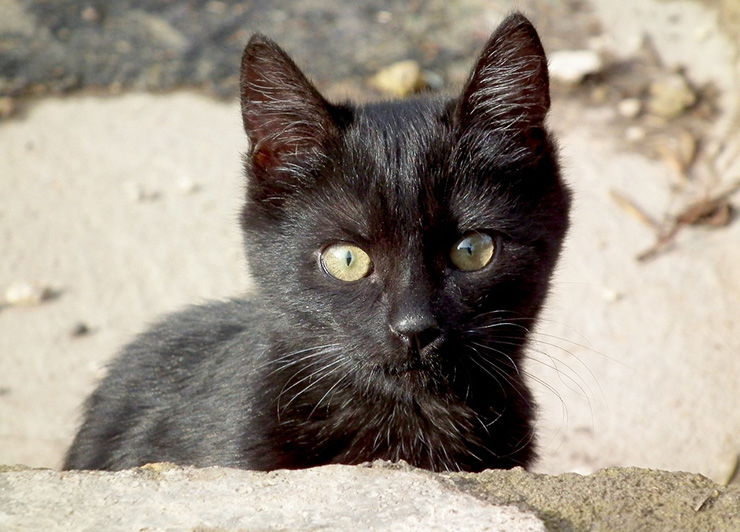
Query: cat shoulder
x,y
196,334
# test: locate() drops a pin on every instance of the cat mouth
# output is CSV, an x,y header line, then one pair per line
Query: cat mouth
x,y
414,365
402,368
414,368
414,372
414,379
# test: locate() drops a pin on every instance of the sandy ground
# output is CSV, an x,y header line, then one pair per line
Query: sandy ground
x,y
127,206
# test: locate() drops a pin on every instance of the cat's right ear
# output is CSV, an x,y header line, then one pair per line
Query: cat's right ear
x,y
508,89
286,119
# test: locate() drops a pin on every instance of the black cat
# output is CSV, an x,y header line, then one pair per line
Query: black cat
x,y
401,251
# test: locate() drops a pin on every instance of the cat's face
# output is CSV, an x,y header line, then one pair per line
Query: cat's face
x,y
412,241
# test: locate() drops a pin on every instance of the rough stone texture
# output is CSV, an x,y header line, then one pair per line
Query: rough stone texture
x,y
381,497
400,79
614,499
330,498
572,66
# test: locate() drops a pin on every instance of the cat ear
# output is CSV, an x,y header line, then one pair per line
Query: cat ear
x,y
508,89
286,119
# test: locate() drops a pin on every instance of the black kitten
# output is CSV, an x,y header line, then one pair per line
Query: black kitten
x,y
401,251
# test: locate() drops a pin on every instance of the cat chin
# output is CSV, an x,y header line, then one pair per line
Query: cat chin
x,y
407,388
418,382
408,382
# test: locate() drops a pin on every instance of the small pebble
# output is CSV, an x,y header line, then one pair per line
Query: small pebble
x,y
24,293
600,94
383,17
703,33
687,147
677,150
123,47
610,295
433,80
79,329
216,7
600,43
7,107
670,96
400,79
572,66
187,185
158,467
634,134
90,14
136,192
629,107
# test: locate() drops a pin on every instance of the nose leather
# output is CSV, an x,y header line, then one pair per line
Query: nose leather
x,y
411,318
416,327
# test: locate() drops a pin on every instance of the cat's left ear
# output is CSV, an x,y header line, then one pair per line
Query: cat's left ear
x,y
508,89
286,119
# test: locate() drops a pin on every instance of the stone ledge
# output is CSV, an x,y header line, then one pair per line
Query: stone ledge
x,y
377,497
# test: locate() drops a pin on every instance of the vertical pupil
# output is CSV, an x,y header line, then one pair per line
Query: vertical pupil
x,y
348,258
468,246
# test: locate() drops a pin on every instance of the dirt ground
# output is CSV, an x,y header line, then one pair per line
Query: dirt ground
x,y
124,207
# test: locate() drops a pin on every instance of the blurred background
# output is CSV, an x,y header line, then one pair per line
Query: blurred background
x,y
120,181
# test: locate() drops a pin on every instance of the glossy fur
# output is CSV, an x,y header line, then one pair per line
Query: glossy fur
x,y
417,361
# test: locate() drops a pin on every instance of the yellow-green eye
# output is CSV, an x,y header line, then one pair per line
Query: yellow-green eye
x,y
346,262
473,251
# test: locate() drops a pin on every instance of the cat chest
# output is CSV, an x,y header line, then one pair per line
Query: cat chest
x,y
431,436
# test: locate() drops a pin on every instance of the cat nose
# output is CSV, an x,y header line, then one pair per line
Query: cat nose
x,y
418,329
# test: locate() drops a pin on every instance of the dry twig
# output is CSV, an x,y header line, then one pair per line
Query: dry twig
x,y
633,209
713,211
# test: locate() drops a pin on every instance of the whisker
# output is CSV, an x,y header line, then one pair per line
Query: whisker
x,y
292,354
314,383
506,323
580,389
563,405
502,373
531,337
548,320
553,360
488,372
501,311
508,379
523,442
318,403
513,364
574,377
304,358
551,388
583,346
311,375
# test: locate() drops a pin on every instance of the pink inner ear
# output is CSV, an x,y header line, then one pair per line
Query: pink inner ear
x,y
285,117
264,158
295,145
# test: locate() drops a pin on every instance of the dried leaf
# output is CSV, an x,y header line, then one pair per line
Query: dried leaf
x,y
630,207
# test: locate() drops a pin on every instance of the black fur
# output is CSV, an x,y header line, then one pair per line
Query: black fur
x,y
314,370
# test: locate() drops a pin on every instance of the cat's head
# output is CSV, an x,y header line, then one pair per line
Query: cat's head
x,y
412,239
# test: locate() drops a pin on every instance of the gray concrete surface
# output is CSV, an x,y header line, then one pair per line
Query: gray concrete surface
x,y
164,497
330,498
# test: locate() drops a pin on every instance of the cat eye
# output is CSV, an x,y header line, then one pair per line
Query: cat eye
x,y
473,251
346,262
